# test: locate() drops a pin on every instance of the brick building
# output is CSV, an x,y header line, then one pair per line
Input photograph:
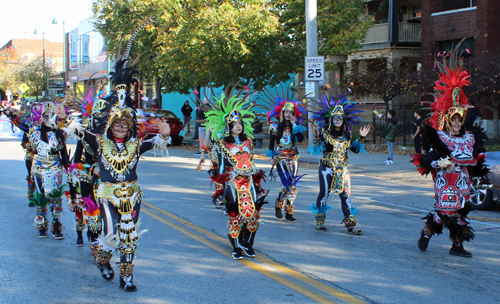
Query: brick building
x,y
30,48
449,21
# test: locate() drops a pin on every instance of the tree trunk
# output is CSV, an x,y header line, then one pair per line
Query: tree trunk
x,y
158,84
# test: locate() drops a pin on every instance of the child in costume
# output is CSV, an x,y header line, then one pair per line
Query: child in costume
x,y
332,139
452,156
233,116
83,180
285,129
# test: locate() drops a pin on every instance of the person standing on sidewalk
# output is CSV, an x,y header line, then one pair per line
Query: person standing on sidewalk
x,y
283,153
332,138
452,156
415,134
200,115
390,135
186,114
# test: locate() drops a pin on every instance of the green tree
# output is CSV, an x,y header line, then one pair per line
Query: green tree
x,y
32,73
221,42
342,24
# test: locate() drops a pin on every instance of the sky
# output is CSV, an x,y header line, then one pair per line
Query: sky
x,y
20,18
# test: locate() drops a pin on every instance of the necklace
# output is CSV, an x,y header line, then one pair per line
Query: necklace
x,y
118,160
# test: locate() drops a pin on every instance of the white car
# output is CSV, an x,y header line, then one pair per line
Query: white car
x,y
485,192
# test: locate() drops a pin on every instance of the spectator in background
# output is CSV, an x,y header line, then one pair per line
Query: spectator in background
x,y
186,113
154,104
390,134
200,115
415,134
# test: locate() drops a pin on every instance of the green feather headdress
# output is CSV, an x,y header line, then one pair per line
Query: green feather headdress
x,y
228,110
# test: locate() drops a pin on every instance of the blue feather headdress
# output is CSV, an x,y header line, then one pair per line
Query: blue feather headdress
x,y
325,109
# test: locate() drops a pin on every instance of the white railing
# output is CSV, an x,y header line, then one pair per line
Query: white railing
x,y
378,33
410,32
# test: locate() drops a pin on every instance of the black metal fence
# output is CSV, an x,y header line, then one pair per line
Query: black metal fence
x,y
404,127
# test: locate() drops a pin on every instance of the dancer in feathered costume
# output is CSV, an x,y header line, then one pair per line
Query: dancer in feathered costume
x,y
285,129
233,117
331,124
452,156
24,123
50,161
119,194
81,177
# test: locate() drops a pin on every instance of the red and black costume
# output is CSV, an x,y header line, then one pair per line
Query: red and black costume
x,y
452,157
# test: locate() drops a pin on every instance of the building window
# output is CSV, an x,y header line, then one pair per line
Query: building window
x,y
416,10
449,5
467,47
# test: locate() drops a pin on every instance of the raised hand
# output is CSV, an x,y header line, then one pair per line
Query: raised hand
x,y
162,126
364,130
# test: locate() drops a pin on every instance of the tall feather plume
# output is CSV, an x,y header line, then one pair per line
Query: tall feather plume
x,y
129,44
449,87
216,118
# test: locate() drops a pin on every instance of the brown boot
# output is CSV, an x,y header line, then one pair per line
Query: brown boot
x,y
279,205
289,213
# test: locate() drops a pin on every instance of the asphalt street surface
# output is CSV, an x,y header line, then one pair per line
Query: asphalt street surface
x,y
184,257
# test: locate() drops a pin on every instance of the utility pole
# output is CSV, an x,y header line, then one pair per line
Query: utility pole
x,y
312,48
43,68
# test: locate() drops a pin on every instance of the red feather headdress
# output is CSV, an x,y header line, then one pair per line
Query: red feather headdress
x,y
449,94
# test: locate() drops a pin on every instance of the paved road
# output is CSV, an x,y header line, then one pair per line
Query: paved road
x,y
184,257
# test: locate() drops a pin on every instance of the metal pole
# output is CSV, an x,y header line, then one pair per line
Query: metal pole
x,y
43,67
64,57
312,47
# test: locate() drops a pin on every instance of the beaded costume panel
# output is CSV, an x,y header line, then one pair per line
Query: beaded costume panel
x,y
118,162
336,160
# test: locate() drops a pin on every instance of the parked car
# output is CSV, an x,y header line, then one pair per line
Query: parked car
x,y
486,192
176,128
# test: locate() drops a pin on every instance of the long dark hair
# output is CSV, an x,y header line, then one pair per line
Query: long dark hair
x,y
230,138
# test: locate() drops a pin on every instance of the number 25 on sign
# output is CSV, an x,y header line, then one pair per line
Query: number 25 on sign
x,y
315,68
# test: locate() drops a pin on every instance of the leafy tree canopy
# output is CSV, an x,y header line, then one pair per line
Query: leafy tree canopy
x,y
221,42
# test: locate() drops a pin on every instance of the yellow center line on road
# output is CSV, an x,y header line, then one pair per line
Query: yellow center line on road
x,y
288,271
260,268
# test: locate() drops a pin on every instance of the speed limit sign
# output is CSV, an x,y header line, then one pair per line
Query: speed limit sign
x,y
315,68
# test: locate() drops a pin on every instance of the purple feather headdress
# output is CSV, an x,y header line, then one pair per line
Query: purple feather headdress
x,y
35,115
325,109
